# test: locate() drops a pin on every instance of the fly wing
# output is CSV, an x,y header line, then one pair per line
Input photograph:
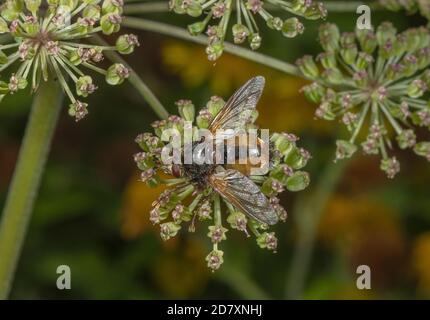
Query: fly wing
x,y
238,109
244,194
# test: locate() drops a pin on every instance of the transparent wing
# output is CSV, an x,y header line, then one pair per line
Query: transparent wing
x,y
238,109
244,194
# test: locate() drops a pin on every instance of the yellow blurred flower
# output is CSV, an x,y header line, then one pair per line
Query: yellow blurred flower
x,y
282,107
367,232
136,206
182,274
421,263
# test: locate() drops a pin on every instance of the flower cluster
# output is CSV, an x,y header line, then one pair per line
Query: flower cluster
x,y
411,6
46,41
218,13
377,80
185,201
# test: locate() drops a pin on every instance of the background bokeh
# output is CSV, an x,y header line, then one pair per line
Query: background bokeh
x,y
92,213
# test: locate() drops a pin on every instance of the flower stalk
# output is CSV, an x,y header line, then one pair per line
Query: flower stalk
x,y
26,180
135,80
176,32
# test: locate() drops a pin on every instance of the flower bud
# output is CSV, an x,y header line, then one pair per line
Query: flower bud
x,y
125,44
204,119
345,149
315,11
214,105
391,166
334,76
110,23
240,33
116,74
144,161
406,139
112,6
78,110
214,51
85,86
410,63
217,233
196,28
237,220
204,211
329,36
385,32
292,27
283,142
11,10
417,88
361,79
314,92
367,40
297,158
298,181
349,53
254,41
186,109
92,12
33,5
308,67
364,60
325,111
423,149
194,9
274,23
17,83
169,230
215,259
267,241
327,59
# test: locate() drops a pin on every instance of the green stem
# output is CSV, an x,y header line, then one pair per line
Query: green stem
x,y
26,179
331,6
240,282
180,33
149,7
134,80
308,212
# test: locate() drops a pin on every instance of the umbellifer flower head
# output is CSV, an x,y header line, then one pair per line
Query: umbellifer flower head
x,y
48,42
190,197
379,80
219,13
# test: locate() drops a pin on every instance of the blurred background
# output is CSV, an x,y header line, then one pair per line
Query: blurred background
x,y
92,212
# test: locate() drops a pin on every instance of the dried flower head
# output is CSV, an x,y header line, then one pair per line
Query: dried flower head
x,y
410,6
218,14
47,40
378,80
190,199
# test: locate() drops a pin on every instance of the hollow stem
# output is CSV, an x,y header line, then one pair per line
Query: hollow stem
x,y
26,179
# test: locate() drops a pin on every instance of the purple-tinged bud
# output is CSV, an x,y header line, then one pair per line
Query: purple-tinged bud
x,y
215,259
407,139
391,166
217,233
267,241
